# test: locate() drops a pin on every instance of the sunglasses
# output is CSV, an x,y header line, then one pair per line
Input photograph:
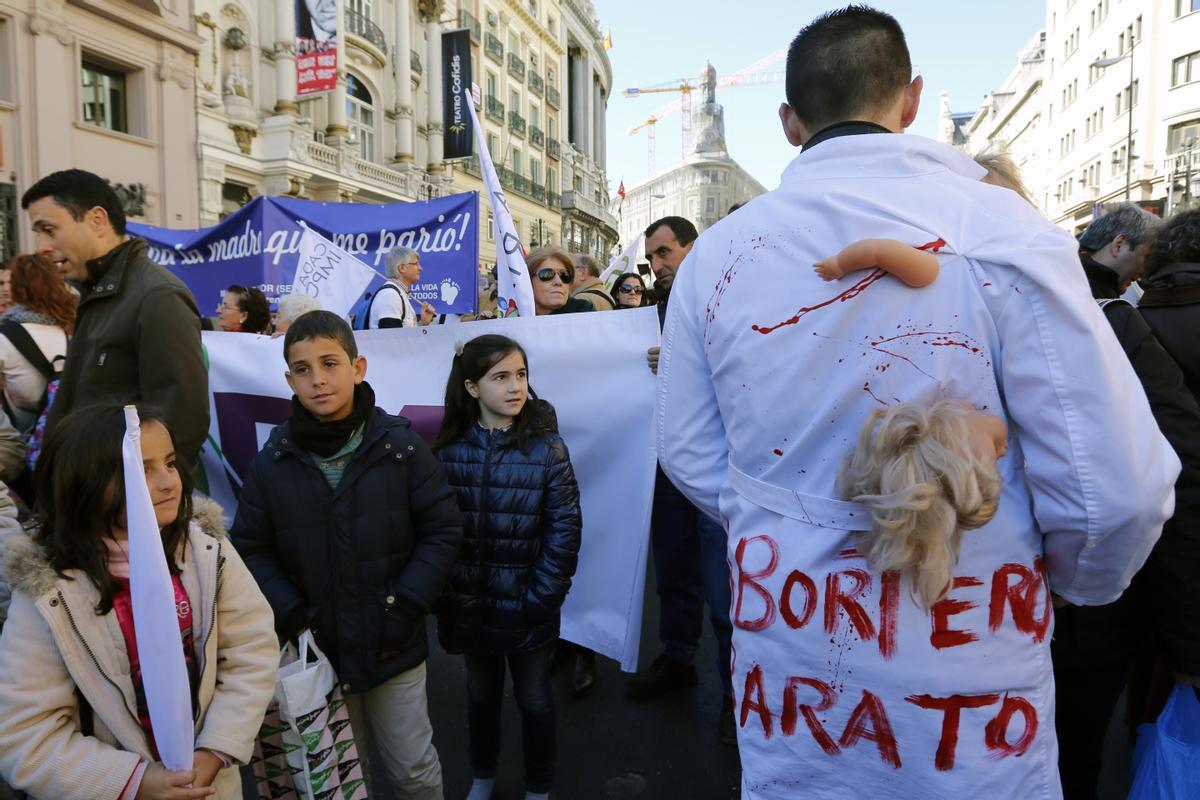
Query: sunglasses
x,y
625,288
546,274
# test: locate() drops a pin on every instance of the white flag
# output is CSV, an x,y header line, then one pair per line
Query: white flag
x,y
626,261
514,290
328,273
155,619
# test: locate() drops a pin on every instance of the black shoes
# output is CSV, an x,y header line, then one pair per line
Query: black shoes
x,y
663,676
583,679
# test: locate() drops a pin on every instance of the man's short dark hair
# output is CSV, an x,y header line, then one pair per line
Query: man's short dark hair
x,y
846,64
320,325
1137,225
685,232
78,191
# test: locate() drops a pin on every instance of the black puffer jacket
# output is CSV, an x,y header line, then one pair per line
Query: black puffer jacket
x,y
1171,307
521,534
359,564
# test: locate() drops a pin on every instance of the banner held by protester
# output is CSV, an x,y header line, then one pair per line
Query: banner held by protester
x,y
407,368
329,274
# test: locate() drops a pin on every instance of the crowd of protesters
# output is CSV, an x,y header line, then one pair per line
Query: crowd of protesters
x,y
351,527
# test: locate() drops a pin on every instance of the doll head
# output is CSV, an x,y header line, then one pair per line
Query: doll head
x,y
926,473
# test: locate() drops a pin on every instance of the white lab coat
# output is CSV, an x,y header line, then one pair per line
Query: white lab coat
x,y
841,679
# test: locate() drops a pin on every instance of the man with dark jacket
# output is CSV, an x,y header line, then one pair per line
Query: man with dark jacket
x,y
1094,646
348,524
1171,303
137,330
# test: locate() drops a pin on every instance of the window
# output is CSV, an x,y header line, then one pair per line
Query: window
x,y
1178,136
6,89
492,84
360,7
104,97
493,142
1186,7
360,117
535,116
535,170
516,162
491,227
233,197
552,23
514,101
1185,69
552,76
710,205
551,180
514,44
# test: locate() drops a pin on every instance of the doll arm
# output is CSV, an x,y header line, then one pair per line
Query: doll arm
x,y
914,267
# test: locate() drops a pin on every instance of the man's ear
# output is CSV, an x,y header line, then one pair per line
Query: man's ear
x,y
1114,247
912,101
793,128
97,219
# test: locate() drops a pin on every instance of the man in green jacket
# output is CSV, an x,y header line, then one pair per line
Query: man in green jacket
x,y
137,331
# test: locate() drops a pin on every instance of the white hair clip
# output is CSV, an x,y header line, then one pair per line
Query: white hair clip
x,y
458,348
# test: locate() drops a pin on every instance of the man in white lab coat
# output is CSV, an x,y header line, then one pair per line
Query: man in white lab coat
x,y
845,687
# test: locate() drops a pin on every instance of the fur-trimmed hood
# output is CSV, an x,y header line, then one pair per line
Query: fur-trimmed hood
x,y
27,566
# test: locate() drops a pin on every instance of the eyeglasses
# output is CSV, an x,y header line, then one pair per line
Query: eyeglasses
x,y
546,274
625,288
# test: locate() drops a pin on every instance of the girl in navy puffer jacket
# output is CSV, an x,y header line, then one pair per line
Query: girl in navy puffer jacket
x,y
521,519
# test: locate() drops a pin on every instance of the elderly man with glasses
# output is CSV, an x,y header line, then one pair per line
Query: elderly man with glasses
x,y
392,306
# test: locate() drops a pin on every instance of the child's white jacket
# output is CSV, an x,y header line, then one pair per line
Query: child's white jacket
x,y
845,687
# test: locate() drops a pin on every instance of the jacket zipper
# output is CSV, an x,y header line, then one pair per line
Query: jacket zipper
x,y
95,661
481,579
212,623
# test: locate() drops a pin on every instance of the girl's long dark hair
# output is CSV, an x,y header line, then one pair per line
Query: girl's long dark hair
x,y
80,487
462,411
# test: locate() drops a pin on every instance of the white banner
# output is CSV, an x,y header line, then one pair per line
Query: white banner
x,y
626,261
514,290
605,403
329,274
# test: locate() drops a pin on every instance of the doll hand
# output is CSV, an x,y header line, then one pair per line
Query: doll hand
x,y
829,269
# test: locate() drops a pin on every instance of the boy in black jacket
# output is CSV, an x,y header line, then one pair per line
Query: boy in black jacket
x,y
350,528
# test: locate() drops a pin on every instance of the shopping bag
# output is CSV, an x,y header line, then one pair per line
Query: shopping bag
x,y
272,773
318,741
1166,760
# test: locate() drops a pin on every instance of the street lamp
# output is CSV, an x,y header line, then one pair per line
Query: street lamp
x,y
1108,62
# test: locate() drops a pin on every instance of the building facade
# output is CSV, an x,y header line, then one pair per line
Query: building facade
x,y
1114,113
703,186
104,85
378,137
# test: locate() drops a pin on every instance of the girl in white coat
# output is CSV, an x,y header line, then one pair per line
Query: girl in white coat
x,y
76,724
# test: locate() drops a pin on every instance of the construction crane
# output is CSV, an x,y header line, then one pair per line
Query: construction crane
x,y
750,75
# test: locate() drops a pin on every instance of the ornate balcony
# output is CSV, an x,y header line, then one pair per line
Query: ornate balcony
x,y
467,20
552,97
493,48
539,192
516,123
536,136
494,109
536,84
554,200
516,67
553,149
522,184
363,28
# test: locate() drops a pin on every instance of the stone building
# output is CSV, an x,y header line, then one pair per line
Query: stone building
x,y
703,186
104,85
378,137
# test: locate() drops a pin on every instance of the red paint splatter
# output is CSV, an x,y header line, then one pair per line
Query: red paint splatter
x,y
778,452
951,708
889,613
849,294
867,389
836,597
987,283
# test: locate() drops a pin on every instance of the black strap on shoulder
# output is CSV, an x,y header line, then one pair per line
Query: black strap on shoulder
x,y
371,304
25,345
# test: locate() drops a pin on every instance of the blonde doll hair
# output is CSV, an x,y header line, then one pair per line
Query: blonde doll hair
x,y
915,470
1002,172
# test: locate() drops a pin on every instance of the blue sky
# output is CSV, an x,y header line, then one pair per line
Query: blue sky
x,y
966,48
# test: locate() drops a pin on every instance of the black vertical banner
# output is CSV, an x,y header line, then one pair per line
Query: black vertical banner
x,y
456,93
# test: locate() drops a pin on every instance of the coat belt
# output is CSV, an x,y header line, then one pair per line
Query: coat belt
x,y
823,512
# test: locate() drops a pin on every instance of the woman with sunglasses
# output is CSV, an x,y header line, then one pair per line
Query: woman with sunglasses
x,y
552,272
629,291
